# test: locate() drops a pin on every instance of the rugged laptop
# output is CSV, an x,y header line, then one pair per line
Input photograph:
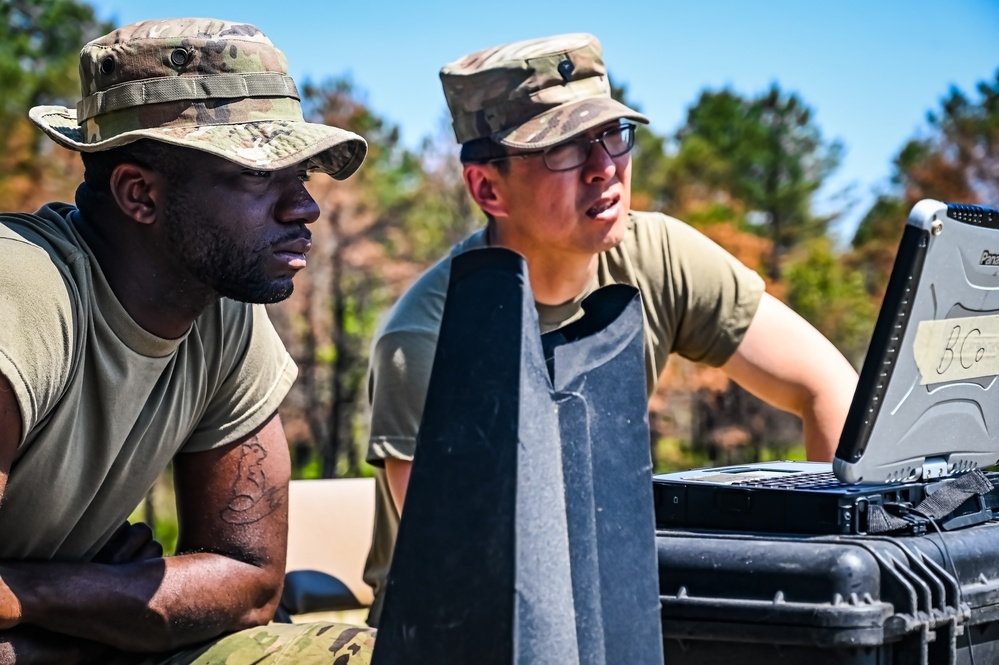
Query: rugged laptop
x,y
926,408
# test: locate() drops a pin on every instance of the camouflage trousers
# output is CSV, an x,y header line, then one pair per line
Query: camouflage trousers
x,y
284,644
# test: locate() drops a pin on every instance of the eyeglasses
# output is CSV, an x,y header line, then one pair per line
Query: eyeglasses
x,y
573,153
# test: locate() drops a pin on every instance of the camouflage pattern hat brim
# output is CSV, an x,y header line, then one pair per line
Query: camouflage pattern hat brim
x,y
565,122
267,145
209,85
532,94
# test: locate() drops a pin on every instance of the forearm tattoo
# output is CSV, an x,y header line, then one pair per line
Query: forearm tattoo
x,y
252,498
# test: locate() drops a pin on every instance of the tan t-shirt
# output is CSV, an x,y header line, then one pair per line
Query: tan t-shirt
x,y
698,301
105,404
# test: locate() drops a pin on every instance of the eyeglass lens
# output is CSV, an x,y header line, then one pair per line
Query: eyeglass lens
x,y
616,141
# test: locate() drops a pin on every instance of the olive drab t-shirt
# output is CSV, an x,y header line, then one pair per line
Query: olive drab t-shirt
x,y
698,301
105,404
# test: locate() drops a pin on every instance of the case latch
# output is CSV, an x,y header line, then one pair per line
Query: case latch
x,y
934,467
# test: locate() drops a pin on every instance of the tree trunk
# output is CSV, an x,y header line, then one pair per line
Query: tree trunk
x,y
773,201
332,448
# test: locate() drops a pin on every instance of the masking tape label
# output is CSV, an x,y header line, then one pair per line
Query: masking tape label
x,y
955,349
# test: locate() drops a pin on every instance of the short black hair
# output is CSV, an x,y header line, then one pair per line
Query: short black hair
x,y
173,162
479,151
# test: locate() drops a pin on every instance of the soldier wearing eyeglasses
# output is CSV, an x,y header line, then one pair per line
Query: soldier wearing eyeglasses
x,y
546,156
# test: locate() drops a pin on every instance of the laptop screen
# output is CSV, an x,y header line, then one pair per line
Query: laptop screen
x,y
927,403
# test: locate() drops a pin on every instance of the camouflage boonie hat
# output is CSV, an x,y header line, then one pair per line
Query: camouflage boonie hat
x,y
532,94
214,86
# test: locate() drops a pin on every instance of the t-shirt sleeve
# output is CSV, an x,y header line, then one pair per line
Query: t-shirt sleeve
x,y
716,296
256,373
698,298
36,328
401,362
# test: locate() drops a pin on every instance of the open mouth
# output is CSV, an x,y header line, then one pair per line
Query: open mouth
x,y
604,207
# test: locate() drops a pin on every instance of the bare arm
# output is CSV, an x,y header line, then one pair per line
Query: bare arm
x,y
397,474
786,362
232,507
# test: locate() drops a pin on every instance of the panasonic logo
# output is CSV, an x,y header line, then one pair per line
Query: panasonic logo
x,y
989,259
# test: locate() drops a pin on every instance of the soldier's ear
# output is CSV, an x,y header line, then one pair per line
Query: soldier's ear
x,y
483,182
135,191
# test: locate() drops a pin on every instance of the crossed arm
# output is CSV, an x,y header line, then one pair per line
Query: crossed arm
x,y
227,575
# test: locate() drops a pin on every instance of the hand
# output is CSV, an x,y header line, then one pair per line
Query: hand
x,y
10,607
130,542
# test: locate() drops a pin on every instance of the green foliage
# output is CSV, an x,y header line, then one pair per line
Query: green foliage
x,y
674,454
959,159
831,296
40,44
418,198
309,467
159,511
955,159
876,241
764,156
650,168
883,223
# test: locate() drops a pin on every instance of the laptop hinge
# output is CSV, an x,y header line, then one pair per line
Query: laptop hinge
x,y
934,467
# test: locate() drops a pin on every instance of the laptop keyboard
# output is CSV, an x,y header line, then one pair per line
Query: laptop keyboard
x,y
825,480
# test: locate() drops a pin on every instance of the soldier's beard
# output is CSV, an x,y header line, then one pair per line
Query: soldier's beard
x,y
212,254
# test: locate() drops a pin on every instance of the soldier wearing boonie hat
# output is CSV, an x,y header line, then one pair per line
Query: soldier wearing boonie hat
x,y
134,331
546,155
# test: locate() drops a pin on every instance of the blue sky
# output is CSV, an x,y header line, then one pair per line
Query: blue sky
x,y
870,69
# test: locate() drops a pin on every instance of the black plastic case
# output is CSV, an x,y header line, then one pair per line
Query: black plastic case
x,y
754,598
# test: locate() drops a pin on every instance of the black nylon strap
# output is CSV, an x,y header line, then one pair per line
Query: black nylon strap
x,y
951,494
942,499
880,520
